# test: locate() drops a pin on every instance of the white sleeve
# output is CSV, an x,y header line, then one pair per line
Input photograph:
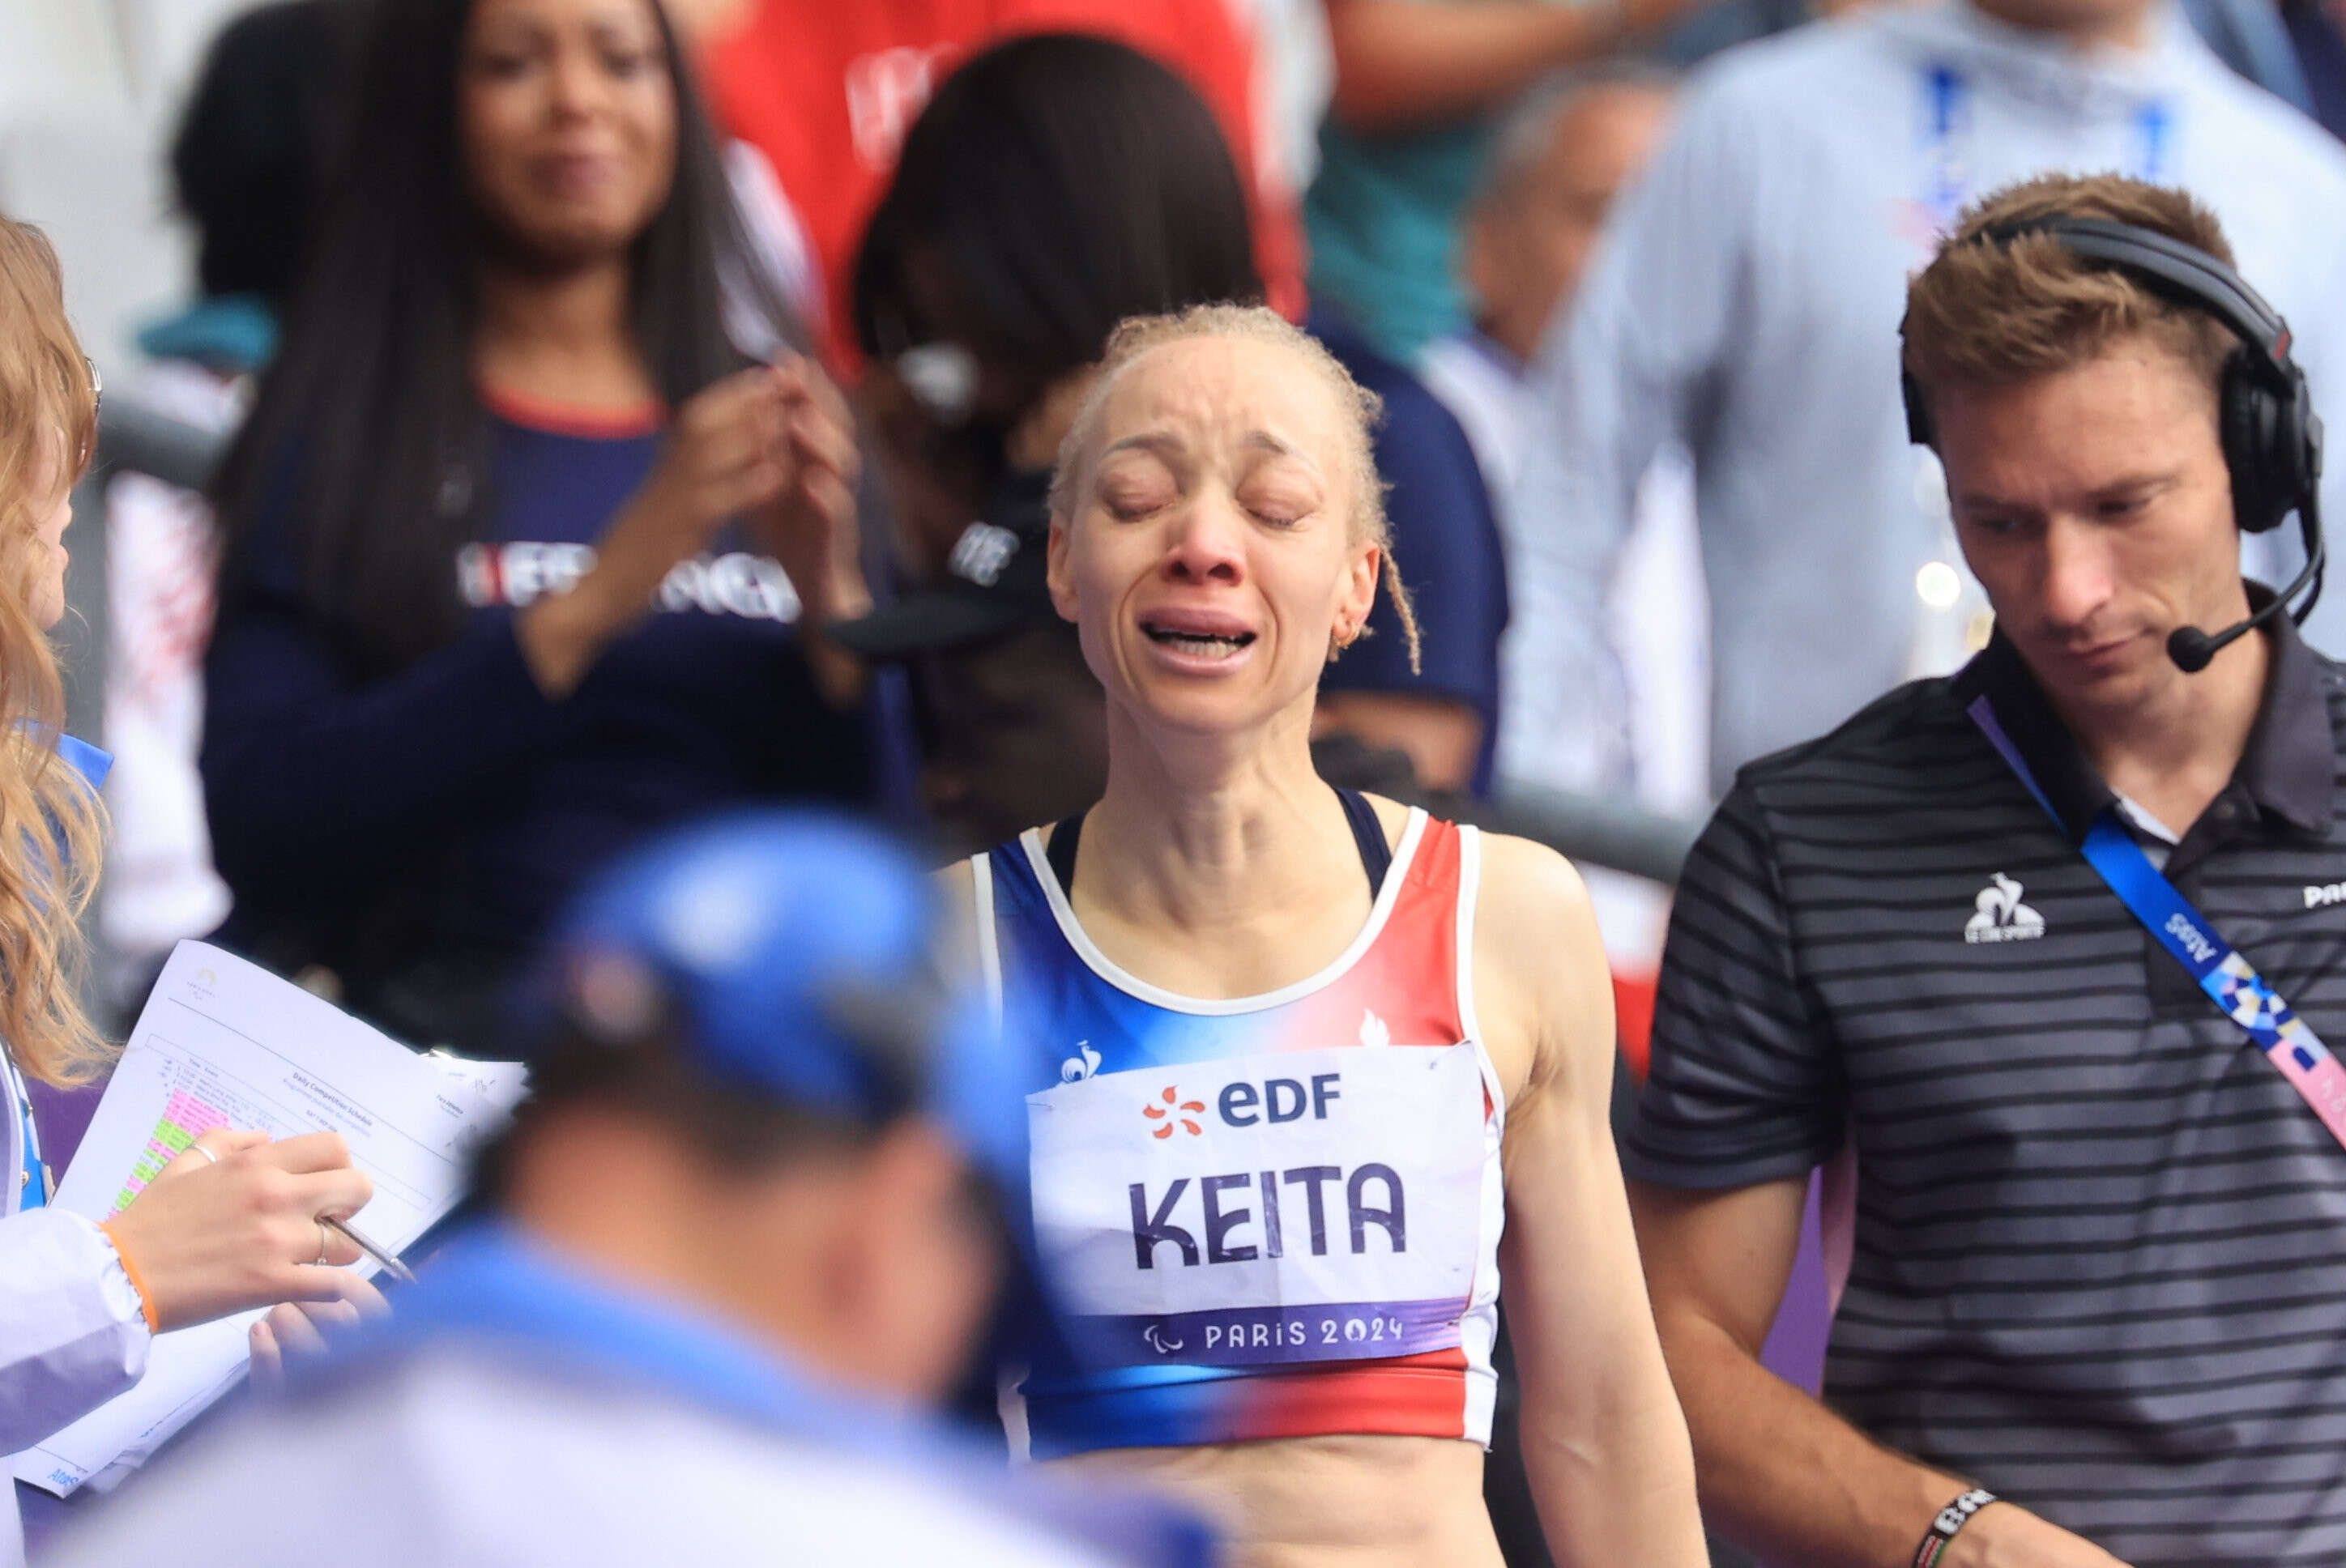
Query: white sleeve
x,y
1616,381
779,250
72,1333
2317,325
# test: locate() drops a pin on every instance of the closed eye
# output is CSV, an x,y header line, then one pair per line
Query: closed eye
x,y
1130,510
1277,505
1995,525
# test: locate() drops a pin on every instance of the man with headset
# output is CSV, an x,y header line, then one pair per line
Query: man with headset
x,y
2013,945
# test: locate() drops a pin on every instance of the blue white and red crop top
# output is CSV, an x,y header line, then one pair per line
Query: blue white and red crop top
x,y
1273,1216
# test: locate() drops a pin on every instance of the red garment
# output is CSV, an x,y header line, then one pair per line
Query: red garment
x,y
827,88
1633,1018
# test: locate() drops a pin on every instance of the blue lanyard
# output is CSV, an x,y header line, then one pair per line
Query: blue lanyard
x,y
1946,115
2231,983
33,1177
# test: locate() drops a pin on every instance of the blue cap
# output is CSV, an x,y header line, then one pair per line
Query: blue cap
x,y
792,952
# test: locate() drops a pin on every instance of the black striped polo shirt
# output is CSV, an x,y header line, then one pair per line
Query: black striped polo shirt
x,y
2100,1251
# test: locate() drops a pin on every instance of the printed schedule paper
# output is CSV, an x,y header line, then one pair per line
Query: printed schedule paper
x,y
225,1044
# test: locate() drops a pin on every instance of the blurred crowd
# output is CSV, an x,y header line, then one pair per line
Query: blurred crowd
x,y
1597,420
498,307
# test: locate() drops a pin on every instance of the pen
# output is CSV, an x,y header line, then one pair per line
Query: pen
x,y
390,1261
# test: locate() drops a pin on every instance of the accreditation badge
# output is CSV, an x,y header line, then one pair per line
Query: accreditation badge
x,y
1307,1205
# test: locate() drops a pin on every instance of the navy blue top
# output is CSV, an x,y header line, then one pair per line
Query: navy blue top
x,y
415,833
1445,539
2321,54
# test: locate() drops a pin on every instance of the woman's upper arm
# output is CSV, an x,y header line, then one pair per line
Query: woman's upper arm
x,y
1540,966
1570,1254
297,756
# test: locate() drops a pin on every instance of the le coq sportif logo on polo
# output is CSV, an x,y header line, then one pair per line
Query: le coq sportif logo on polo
x,y
1998,915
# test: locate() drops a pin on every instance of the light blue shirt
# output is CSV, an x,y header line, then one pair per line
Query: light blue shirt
x,y
1745,301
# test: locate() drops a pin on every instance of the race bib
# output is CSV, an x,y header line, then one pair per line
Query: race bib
x,y
1312,1206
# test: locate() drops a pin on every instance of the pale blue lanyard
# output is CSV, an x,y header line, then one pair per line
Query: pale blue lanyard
x,y
1946,111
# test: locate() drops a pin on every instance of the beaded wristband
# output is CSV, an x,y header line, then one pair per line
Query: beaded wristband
x,y
1951,1519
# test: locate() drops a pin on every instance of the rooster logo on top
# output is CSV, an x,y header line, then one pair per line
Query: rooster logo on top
x,y
1998,915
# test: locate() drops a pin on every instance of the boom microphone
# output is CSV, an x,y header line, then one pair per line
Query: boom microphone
x,y
2191,649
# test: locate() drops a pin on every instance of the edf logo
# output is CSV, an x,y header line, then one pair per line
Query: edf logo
x,y
1244,1105
1279,1100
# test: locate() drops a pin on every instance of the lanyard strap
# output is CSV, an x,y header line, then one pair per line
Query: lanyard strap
x,y
33,1181
1946,111
2231,983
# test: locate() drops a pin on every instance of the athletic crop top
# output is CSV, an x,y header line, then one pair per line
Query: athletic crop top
x,y
1273,1216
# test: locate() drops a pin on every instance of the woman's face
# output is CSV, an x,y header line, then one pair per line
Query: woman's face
x,y
567,113
1209,556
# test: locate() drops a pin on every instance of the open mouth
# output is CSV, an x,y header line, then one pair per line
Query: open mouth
x,y
1199,644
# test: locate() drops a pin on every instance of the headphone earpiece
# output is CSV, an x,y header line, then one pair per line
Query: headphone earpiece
x,y
2269,441
1918,418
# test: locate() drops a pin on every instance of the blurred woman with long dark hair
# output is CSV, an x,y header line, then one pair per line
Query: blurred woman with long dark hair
x,y
981,309
527,555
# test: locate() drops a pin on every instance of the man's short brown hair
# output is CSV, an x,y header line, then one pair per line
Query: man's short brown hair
x,y
1984,314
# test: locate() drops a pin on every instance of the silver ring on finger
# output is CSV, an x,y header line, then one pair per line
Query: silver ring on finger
x,y
199,1149
323,1241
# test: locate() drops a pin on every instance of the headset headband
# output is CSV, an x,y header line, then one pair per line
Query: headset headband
x,y
2184,273
2271,436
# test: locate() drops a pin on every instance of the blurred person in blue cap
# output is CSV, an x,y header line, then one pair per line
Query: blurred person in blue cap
x,y
742,1234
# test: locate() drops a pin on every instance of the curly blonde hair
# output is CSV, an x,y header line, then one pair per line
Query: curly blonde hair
x,y
51,821
1136,335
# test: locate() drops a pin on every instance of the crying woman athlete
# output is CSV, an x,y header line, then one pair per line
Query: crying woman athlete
x,y
1308,1068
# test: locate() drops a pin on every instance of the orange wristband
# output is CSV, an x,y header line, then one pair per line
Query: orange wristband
x,y
146,1297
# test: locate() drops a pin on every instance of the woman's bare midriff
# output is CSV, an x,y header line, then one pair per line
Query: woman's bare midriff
x,y
1343,1501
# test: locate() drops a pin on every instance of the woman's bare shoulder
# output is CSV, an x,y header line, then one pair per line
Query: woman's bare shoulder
x,y
1527,879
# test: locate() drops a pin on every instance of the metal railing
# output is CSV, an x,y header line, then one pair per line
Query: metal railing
x,y
132,436
1583,828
